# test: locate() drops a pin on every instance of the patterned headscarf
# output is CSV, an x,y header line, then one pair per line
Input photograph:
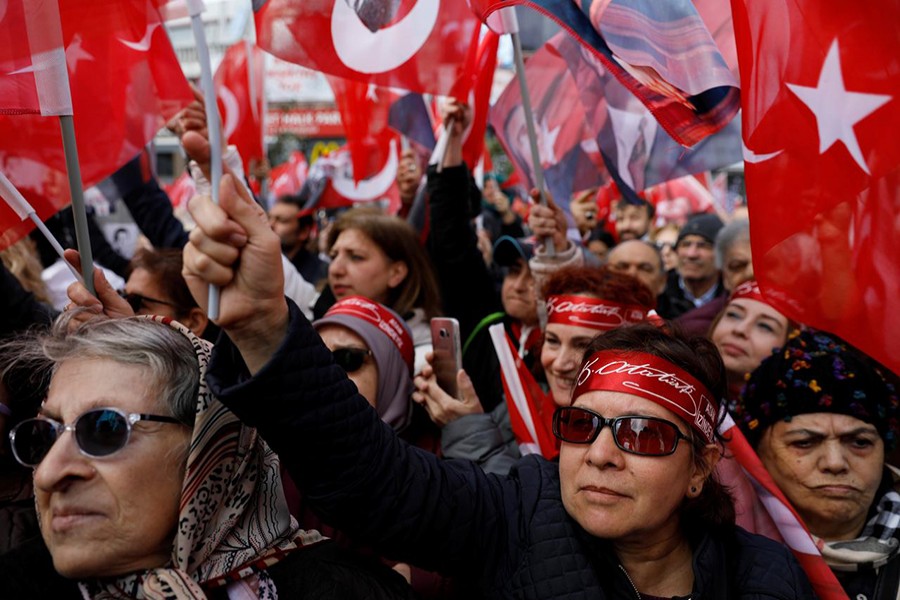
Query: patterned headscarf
x,y
233,521
817,372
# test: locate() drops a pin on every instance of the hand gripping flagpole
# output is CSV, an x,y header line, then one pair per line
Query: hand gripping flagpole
x,y
511,25
196,8
20,205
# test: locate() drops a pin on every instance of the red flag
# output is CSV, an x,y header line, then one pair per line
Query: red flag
x,y
530,408
821,100
32,60
288,177
181,190
409,44
241,95
365,115
762,508
333,175
125,81
480,98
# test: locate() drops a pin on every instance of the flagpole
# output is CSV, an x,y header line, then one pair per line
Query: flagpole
x,y
16,201
195,8
512,24
82,237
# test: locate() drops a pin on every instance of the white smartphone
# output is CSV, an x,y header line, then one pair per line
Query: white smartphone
x,y
447,353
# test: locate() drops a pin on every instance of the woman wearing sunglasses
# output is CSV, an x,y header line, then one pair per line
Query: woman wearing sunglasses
x,y
547,530
146,485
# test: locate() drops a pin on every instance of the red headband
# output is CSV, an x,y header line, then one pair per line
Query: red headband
x,y
382,318
653,378
749,290
595,313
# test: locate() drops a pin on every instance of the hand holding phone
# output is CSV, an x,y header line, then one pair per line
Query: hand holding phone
x,y
447,360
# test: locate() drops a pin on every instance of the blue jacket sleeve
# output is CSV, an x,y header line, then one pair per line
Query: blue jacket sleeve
x,y
446,516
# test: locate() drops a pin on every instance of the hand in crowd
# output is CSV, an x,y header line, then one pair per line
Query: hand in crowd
x,y
459,112
441,406
234,247
190,125
548,221
409,174
107,302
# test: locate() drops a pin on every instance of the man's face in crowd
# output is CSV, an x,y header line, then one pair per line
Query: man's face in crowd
x,y
639,260
518,293
284,222
632,221
696,258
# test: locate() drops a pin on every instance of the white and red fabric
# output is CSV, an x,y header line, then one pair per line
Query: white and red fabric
x,y
181,190
288,177
417,45
382,319
125,82
762,508
530,408
652,378
595,313
240,91
822,165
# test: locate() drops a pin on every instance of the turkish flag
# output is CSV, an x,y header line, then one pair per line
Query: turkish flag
x,y
566,142
409,44
181,190
331,182
33,75
241,96
480,98
125,82
821,105
365,114
660,51
288,177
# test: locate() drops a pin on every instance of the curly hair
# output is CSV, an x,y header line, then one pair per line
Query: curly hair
x,y
601,282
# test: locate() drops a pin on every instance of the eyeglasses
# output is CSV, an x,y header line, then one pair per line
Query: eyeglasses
x,y
350,359
98,432
635,434
136,301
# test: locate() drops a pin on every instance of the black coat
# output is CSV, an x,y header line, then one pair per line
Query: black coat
x,y
511,534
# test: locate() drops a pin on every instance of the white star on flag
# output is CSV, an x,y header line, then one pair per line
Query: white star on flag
x,y
836,109
75,53
547,142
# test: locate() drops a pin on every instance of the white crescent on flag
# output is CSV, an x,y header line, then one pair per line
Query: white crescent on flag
x,y
372,188
378,52
143,44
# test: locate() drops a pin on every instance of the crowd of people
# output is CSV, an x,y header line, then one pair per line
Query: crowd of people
x,y
300,445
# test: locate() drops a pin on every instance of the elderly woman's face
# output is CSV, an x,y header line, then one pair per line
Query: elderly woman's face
x,y
339,338
829,466
620,496
108,516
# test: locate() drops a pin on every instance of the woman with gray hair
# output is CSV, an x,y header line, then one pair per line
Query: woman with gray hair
x,y
146,486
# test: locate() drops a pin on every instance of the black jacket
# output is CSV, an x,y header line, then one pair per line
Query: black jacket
x,y
511,534
672,303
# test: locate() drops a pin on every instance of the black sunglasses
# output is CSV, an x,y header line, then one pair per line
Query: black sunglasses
x,y
98,432
350,359
137,301
635,434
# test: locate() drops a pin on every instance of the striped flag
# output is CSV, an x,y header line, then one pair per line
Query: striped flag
x,y
530,409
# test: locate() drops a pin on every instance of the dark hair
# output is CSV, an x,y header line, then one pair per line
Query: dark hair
x,y
651,210
714,507
165,266
601,282
399,241
303,219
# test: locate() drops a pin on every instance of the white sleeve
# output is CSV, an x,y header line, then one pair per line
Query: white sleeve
x,y
302,292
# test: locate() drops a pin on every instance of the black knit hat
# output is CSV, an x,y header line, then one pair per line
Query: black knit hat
x,y
817,372
706,226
